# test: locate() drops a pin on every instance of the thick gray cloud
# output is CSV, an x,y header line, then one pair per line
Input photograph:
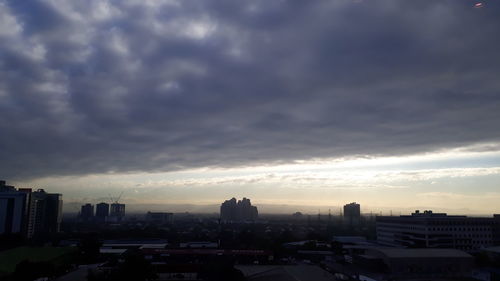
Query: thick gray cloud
x,y
136,85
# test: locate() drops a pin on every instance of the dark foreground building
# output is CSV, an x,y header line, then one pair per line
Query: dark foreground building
x,y
14,208
29,213
45,213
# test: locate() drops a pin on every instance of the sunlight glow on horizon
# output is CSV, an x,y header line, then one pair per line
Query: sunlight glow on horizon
x,y
314,182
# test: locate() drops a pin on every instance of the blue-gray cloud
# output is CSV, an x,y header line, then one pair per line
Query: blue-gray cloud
x,y
129,85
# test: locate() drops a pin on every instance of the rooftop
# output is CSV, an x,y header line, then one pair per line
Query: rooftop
x,y
350,239
285,273
495,249
421,253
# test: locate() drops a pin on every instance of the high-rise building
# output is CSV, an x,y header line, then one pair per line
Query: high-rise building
x,y
241,210
14,206
87,212
45,213
352,212
438,230
101,212
117,212
27,212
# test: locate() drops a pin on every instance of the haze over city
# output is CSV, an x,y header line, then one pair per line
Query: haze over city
x,y
309,104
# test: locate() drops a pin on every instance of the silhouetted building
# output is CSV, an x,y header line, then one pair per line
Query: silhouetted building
x,y
159,217
437,230
4,187
101,212
45,213
14,207
117,212
87,212
352,212
241,210
297,216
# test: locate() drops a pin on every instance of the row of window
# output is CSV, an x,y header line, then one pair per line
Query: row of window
x,y
460,229
474,242
474,236
417,228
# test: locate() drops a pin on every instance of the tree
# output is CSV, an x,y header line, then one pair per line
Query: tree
x,y
28,270
89,249
220,270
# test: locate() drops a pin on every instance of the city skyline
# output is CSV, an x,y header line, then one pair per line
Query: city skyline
x,y
356,181
299,104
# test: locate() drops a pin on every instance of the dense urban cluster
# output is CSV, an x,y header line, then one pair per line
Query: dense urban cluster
x,y
102,242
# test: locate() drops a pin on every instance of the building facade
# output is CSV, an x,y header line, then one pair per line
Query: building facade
x,y
117,212
352,212
101,212
14,206
87,213
45,213
437,230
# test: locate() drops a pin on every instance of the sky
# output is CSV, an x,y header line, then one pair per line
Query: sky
x,y
300,105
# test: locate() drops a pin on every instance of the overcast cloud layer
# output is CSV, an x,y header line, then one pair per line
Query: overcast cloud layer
x,y
139,85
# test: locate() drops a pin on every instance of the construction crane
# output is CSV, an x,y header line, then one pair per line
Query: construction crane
x,y
116,200
117,210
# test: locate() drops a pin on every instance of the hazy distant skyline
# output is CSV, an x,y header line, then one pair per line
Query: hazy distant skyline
x,y
392,104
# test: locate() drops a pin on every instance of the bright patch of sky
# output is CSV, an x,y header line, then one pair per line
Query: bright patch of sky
x,y
459,179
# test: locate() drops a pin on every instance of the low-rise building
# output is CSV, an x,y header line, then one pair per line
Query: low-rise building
x,y
437,230
159,217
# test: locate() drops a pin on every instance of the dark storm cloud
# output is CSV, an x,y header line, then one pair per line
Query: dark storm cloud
x,y
100,86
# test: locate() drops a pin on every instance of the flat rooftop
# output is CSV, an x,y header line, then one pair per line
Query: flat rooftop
x,y
285,273
421,253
